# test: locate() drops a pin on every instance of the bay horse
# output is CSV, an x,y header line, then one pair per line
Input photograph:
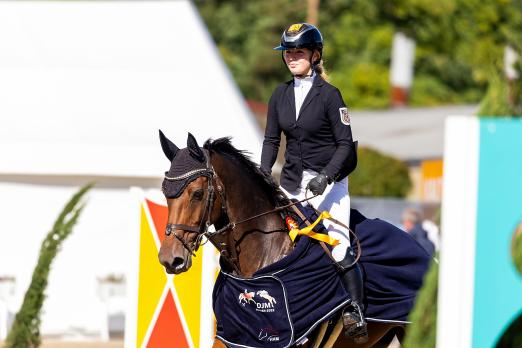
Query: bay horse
x,y
219,185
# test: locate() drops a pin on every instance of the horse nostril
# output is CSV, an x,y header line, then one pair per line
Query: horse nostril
x,y
178,261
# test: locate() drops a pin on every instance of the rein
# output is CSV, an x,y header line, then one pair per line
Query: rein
x,y
232,225
202,229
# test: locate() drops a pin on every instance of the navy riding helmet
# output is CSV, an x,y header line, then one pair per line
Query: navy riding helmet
x,y
302,35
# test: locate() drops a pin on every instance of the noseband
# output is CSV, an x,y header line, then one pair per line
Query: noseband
x,y
202,229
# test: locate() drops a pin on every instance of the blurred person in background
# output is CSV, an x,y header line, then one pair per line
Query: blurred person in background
x,y
433,232
320,152
412,222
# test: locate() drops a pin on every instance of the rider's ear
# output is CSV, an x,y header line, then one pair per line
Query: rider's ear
x,y
194,149
169,148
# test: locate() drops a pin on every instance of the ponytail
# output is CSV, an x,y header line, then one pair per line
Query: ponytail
x,y
321,71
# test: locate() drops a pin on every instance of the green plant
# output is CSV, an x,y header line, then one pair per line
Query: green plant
x,y
25,332
379,175
501,99
423,328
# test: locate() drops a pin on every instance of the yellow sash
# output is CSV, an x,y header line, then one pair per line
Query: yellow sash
x,y
307,231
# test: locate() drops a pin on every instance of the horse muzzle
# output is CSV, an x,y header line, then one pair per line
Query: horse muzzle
x,y
175,264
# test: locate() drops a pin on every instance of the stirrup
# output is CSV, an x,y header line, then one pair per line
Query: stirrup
x,y
354,324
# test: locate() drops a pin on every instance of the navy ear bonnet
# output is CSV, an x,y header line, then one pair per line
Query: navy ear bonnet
x,y
186,165
183,170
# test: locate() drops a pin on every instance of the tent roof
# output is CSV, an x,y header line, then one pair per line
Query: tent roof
x,y
85,86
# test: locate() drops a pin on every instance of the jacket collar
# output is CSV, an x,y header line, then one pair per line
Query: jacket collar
x,y
314,91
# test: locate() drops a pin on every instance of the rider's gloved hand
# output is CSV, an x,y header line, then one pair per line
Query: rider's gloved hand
x,y
318,184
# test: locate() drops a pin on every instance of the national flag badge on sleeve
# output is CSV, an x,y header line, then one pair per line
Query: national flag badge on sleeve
x,y
345,118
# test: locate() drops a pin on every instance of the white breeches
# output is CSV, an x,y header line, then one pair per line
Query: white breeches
x,y
334,199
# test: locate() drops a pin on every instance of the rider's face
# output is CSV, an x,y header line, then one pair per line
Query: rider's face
x,y
298,60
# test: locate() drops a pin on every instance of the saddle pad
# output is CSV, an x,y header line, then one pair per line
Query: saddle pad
x,y
253,312
393,264
281,303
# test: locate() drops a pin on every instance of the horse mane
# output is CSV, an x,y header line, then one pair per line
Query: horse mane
x,y
223,146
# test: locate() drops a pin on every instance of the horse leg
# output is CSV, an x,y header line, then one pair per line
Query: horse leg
x,y
392,339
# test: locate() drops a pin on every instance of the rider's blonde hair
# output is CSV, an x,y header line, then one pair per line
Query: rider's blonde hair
x,y
319,69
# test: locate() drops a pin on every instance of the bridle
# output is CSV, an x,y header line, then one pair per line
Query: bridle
x,y
202,229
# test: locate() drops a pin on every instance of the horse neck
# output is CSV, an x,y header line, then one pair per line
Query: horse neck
x,y
259,242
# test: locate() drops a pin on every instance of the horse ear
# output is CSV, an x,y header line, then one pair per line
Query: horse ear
x,y
194,149
169,148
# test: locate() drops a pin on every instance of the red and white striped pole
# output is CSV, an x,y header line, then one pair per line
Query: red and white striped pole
x,y
401,74
510,58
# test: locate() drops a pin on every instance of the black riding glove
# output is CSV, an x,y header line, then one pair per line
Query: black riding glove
x,y
318,184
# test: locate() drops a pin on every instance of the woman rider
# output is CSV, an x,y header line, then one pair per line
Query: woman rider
x,y
319,153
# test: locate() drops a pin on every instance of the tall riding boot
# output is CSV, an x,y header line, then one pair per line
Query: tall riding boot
x,y
353,317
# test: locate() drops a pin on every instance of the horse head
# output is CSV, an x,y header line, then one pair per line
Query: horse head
x,y
219,185
190,188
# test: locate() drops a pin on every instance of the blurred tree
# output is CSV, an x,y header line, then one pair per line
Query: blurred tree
x,y
25,331
516,248
496,101
379,175
457,41
246,32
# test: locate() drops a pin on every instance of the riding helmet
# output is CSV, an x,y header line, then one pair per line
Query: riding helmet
x,y
301,35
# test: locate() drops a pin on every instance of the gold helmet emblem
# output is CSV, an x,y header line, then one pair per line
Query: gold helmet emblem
x,y
295,27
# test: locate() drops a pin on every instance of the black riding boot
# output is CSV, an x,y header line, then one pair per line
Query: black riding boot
x,y
353,317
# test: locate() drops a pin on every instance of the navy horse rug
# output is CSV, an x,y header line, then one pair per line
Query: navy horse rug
x,y
282,303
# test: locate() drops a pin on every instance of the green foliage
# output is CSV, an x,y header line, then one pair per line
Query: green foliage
x,y
423,328
516,248
246,32
495,102
503,98
25,332
456,43
512,337
379,175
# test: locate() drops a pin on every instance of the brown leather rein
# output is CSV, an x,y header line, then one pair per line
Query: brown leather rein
x,y
202,229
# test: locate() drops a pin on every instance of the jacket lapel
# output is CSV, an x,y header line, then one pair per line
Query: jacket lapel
x,y
314,91
290,96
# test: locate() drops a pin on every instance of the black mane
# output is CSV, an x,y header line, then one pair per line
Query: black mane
x,y
223,146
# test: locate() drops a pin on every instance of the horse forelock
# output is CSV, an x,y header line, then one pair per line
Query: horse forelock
x,y
223,146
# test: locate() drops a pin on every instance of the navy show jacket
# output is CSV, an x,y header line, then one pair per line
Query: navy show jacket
x,y
318,140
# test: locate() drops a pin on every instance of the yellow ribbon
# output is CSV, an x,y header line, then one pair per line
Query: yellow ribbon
x,y
307,231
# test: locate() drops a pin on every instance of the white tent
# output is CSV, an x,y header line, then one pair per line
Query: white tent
x,y
84,88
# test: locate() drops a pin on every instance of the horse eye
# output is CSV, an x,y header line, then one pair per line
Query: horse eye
x,y
197,195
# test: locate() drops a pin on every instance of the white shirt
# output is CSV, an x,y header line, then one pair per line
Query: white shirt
x,y
301,88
